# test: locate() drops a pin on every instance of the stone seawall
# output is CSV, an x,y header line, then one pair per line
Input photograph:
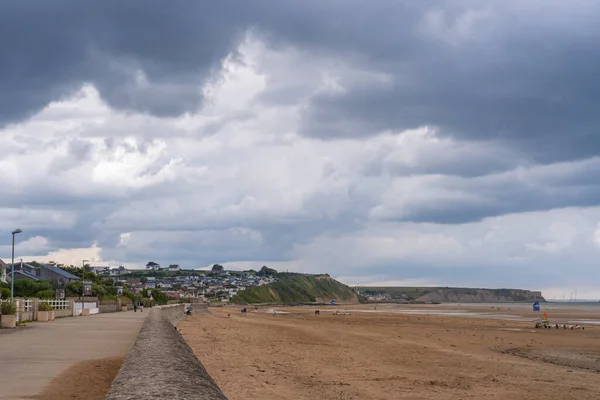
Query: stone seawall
x,y
161,365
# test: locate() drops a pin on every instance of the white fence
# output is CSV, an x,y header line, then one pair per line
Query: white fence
x,y
58,304
27,304
27,308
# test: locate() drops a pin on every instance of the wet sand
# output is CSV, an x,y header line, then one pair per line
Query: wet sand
x,y
390,355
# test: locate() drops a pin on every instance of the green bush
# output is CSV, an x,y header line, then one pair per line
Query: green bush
x,y
44,307
45,294
27,288
8,308
98,290
111,290
129,294
4,293
159,297
74,289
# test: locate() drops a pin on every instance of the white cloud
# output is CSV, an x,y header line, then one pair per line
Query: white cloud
x,y
234,182
596,237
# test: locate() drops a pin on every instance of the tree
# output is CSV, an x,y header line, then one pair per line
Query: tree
x,y
217,268
159,297
265,271
143,280
152,266
82,273
74,289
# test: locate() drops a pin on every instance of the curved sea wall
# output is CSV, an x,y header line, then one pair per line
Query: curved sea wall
x,y
161,365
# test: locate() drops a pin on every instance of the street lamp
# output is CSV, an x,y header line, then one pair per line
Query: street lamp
x,y
12,272
83,285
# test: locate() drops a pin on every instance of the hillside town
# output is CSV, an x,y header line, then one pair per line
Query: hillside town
x,y
216,284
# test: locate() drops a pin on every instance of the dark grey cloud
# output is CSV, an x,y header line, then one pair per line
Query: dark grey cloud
x,y
50,49
510,77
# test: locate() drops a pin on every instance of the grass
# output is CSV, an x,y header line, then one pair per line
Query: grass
x,y
411,291
295,288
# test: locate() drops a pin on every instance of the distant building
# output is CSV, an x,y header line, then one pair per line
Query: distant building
x,y
99,270
119,271
174,267
166,283
132,281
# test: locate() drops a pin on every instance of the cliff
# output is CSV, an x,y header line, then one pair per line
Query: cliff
x,y
297,288
449,295
457,295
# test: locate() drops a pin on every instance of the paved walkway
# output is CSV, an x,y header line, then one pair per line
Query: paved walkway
x,y
31,356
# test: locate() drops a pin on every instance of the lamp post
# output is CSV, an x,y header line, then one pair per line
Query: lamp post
x,y
12,272
83,285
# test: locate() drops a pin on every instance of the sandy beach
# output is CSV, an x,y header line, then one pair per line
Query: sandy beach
x,y
397,352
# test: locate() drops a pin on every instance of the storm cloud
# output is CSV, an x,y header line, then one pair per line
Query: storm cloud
x,y
287,131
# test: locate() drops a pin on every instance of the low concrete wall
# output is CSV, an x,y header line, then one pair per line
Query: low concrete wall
x,y
114,306
109,307
63,313
161,365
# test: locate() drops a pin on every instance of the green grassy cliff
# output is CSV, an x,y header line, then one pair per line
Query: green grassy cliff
x,y
297,288
450,295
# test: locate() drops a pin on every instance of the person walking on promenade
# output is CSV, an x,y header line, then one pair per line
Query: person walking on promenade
x,y
134,306
142,307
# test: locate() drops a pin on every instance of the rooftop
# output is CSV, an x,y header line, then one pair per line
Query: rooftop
x,y
60,272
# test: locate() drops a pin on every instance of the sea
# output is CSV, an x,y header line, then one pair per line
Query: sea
x,y
474,310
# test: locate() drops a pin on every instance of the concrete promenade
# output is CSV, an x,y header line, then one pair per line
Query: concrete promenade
x,y
31,356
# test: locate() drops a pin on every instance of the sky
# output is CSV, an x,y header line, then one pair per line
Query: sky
x,y
447,142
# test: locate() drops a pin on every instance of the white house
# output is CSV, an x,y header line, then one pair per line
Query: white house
x,y
165,284
119,271
174,267
99,269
